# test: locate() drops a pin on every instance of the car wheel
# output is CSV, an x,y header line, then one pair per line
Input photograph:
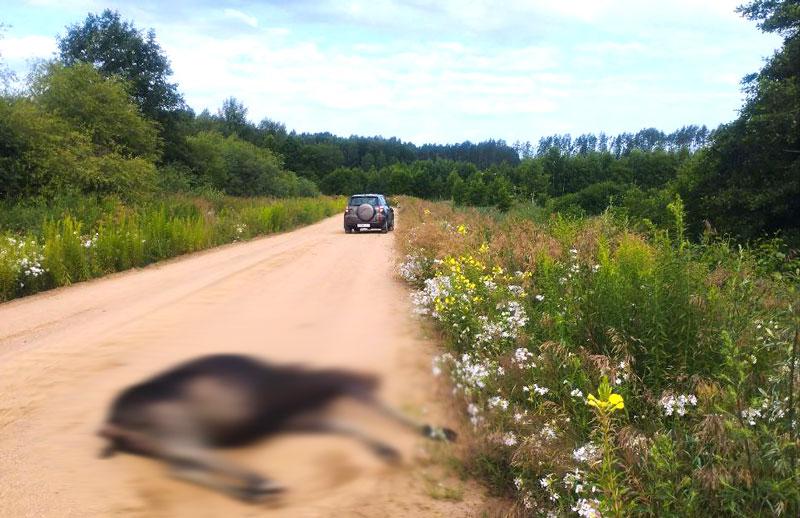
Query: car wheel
x,y
348,230
385,227
391,226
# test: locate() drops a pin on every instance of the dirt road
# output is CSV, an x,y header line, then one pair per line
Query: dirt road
x,y
287,298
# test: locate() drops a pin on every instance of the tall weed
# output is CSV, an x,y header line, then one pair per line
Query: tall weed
x,y
81,238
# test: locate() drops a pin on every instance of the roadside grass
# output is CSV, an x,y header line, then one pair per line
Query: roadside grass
x,y
687,350
69,240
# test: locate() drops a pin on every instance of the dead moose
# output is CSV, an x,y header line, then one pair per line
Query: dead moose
x,y
180,415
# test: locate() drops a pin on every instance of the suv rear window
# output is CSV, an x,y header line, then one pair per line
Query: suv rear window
x,y
358,200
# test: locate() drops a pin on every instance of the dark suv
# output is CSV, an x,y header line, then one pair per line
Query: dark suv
x,y
368,211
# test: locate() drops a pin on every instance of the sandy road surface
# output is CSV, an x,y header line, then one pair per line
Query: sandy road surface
x,y
64,354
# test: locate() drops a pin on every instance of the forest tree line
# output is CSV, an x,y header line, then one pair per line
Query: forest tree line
x,y
103,118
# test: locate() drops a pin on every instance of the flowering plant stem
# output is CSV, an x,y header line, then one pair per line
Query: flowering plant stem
x,y
608,475
605,404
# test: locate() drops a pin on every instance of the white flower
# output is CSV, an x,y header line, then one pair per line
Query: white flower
x,y
517,291
588,453
471,371
576,393
587,508
547,432
540,390
527,501
539,298
750,415
509,439
677,404
521,356
511,319
497,401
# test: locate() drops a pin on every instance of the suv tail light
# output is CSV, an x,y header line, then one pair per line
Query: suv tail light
x,y
380,209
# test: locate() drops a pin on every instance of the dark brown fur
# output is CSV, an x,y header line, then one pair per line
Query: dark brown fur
x,y
230,400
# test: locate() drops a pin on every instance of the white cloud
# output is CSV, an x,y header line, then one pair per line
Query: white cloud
x,y
19,48
235,14
449,70
284,79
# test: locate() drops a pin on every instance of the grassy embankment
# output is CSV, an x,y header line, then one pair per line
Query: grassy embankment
x,y
46,245
605,371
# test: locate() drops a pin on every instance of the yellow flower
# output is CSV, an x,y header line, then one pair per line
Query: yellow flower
x,y
484,248
461,229
608,401
616,402
426,212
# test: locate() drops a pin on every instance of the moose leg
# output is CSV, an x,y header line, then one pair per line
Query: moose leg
x,y
176,436
198,465
437,433
315,424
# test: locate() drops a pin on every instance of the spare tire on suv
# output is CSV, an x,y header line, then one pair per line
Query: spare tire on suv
x,y
368,212
365,212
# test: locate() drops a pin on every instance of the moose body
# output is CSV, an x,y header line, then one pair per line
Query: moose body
x,y
228,400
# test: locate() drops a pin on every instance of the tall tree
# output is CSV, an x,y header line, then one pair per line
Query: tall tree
x,y
748,181
6,75
115,46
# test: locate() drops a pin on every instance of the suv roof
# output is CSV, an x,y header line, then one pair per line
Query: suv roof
x,y
366,194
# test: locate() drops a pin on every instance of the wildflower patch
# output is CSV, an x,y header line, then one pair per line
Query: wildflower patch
x,y
611,373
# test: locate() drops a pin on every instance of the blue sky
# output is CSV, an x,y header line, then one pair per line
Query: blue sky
x,y
438,71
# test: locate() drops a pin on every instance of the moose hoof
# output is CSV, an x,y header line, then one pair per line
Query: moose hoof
x,y
449,435
439,433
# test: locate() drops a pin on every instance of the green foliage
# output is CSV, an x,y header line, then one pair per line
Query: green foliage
x,y
97,106
74,239
591,200
76,132
779,16
39,153
240,168
116,47
747,182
